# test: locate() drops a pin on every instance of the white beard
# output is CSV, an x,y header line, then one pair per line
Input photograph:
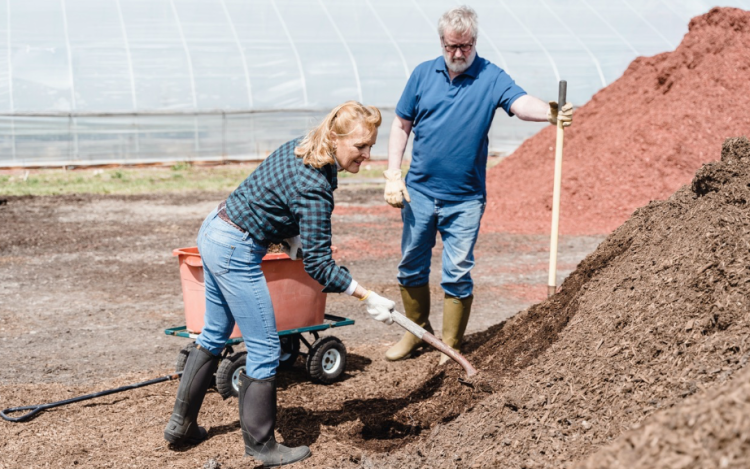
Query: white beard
x,y
459,66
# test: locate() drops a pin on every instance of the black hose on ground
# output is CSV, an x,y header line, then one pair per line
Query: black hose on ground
x,y
35,409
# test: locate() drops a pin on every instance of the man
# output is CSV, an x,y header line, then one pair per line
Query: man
x,y
449,104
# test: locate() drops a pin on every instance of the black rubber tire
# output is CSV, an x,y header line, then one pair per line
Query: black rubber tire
x,y
182,360
289,351
326,360
228,374
182,357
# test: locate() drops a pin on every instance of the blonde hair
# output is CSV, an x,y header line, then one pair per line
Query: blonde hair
x,y
317,150
460,20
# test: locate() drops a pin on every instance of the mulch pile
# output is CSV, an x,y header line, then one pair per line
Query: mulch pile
x,y
706,430
637,140
657,313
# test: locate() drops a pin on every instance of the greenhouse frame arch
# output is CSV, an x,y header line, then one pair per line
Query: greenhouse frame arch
x,y
88,82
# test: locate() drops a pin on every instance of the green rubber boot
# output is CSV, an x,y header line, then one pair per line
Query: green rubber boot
x,y
456,313
417,309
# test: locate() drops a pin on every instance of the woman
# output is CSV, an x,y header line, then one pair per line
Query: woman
x,y
288,197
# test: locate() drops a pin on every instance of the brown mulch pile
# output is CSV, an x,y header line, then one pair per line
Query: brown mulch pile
x,y
637,140
707,430
657,313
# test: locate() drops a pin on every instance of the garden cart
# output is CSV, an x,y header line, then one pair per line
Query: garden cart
x,y
299,307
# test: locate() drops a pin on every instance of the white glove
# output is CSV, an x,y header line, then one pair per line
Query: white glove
x,y
395,189
565,115
291,247
378,307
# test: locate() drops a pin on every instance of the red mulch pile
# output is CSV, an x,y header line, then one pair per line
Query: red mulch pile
x,y
637,140
657,313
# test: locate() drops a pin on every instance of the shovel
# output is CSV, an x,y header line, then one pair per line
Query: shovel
x,y
404,322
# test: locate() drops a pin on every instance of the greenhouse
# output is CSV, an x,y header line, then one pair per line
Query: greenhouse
x,y
86,82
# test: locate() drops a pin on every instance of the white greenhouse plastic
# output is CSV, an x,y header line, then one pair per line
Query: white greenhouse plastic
x,y
138,81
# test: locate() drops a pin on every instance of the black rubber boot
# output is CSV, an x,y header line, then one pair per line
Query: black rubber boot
x,y
196,378
258,420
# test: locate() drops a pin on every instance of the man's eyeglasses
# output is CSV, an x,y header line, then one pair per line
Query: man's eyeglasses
x,y
452,47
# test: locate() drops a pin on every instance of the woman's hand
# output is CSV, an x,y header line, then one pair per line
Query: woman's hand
x,y
291,247
378,307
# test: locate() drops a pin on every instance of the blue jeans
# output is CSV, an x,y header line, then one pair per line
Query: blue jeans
x,y
458,225
236,290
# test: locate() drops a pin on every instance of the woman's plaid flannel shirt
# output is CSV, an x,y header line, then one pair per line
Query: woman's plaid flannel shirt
x,y
283,198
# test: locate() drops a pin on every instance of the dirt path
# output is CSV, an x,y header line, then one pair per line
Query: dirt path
x,y
88,283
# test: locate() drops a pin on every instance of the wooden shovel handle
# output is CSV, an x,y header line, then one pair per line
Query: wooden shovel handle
x,y
433,341
455,356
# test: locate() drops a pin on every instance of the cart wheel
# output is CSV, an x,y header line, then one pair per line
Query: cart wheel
x,y
228,374
289,351
182,357
326,360
182,360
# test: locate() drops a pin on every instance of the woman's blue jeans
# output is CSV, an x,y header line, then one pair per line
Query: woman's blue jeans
x,y
236,291
458,224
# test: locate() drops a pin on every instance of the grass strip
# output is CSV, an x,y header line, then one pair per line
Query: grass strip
x,y
145,179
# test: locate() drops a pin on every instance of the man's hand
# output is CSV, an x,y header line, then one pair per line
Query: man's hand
x,y
395,189
378,307
565,115
291,246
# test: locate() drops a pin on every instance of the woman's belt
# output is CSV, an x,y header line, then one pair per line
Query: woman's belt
x,y
222,212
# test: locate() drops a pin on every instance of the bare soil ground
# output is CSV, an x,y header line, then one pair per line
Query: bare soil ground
x,y
639,360
88,284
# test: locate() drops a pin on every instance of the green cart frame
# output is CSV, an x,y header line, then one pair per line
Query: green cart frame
x,y
325,359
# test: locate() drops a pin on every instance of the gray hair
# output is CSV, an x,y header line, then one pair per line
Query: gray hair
x,y
460,20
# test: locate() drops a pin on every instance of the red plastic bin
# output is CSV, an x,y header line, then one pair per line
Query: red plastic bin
x,y
297,299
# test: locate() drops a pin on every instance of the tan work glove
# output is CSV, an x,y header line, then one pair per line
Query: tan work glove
x,y
565,115
395,189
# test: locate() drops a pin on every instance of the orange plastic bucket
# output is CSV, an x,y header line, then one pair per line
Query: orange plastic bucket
x,y
297,299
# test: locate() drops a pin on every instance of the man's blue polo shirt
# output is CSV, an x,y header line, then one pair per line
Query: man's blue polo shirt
x,y
450,123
